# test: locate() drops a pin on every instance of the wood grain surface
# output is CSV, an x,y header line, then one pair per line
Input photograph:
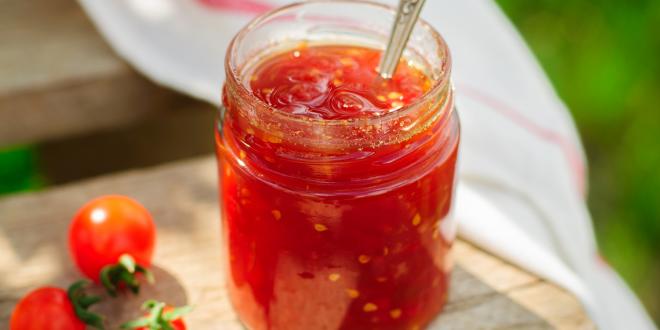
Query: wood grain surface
x,y
486,293
59,78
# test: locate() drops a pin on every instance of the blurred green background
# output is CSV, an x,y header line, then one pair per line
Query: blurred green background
x,y
604,59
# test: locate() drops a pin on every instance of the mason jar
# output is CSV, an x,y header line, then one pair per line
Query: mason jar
x,y
336,223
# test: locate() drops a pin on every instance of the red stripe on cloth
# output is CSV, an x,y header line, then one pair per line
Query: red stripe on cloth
x,y
600,259
569,149
247,6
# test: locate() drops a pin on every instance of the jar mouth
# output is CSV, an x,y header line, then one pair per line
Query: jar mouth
x,y
440,83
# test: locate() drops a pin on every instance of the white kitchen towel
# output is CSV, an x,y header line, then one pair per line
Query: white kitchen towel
x,y
522,167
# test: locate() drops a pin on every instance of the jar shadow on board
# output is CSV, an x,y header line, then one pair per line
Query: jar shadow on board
x,y
336,187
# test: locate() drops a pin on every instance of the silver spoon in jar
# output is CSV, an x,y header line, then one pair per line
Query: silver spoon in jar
x,y
404,22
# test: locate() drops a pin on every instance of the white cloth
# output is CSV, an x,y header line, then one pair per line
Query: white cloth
x,y
522,167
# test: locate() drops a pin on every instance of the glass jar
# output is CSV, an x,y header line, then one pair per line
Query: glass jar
x,y
336,224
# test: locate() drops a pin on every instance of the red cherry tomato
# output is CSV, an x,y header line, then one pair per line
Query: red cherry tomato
x,y
177,324
159,316
107,227
45,309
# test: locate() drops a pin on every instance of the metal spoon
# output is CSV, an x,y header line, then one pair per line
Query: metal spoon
x,y
406,17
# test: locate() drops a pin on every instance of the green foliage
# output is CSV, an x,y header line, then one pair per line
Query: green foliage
x,y
18,170
604,59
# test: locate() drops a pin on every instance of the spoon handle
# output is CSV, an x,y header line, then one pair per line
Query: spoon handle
x,y
406,17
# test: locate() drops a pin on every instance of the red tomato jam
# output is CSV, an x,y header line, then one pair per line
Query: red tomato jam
x,y
345,225
333,82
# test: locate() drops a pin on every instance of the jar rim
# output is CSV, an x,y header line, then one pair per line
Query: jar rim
x,y
234,75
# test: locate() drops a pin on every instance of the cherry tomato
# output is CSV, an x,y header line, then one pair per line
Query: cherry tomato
x,y
159,316
107,227
45,309
177,324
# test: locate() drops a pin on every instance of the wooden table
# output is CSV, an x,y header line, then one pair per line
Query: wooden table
x,y
486,293
59,78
